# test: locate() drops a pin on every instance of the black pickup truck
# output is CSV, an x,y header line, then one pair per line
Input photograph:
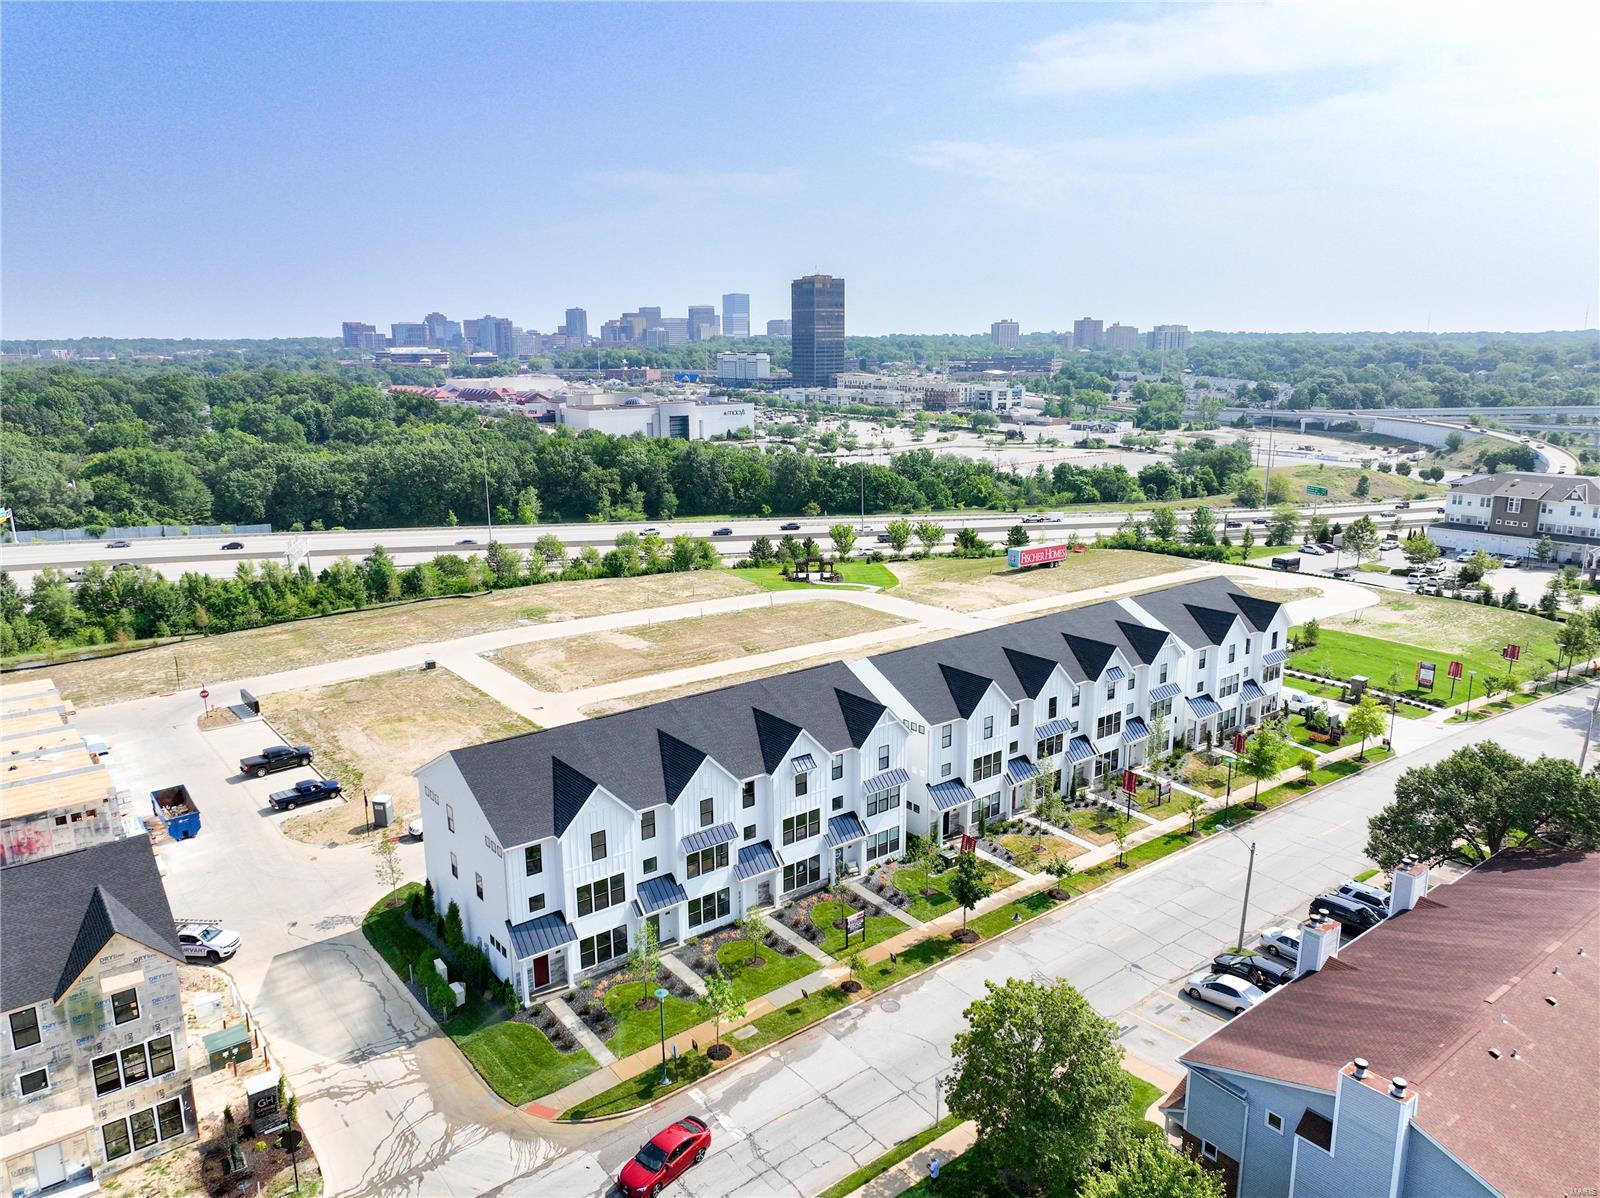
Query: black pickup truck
x,y
307,790
274,758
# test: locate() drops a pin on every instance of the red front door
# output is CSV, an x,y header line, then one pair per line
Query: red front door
x,y
541,972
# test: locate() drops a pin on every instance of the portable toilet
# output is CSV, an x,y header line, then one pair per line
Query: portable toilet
x,y
382,810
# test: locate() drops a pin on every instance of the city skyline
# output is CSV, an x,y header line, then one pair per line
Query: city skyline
x,y
1232,167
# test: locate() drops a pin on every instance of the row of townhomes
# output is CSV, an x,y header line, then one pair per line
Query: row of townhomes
x,y
1452,1050
557,845
1508,513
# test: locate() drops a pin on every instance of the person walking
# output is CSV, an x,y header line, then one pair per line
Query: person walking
x,y
933,1172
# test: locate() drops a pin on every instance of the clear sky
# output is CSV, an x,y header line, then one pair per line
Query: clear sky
x,y
265,170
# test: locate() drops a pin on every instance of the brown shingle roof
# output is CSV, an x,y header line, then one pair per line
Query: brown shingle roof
x,y
1427,995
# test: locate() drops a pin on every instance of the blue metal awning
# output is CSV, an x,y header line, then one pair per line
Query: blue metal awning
x,y
885,782
657,893
1276,657
1134,730
756,859
803,763
708,838
946,795
1167,690
535,936
1079,749
844,829
1252,692
1020,769
1203,706
1113,674
1053,728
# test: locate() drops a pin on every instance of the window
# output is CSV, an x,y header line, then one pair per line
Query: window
x,y
1247,643
883,843
1208,1150
986,766
25,1028
884,800
838,803
647,826
988,727
450,816
1271,673
169,1118
1274,640
597,846
1161,709
801,786
161,1061
749,831
1012,748
535,903
1016,715
708,812
836,771
802,873
1202,661
533,859
1229,686
1076,697
135,1065
1275,1122
945,735
605,946
707,860
750,793
143,1124
1514,506
125,1006
1052,708
708,908
650,865
1111,690
1108,725
883,758
34,1082
1049,746
107,1077
477,884
597,896
115,1135
798,827
1233,652
455,867
1163,678
944,770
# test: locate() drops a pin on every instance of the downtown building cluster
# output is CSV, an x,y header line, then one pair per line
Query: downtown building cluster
x,y
556,846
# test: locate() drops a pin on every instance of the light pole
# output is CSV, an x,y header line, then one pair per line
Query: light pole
x,y
1394,706
483,446
1471,677
661,1006
1249,876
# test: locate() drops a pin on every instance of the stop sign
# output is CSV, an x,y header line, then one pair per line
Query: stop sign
x,y
204,694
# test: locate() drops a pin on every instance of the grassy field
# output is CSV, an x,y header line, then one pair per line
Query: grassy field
x,y
774,971
1341,482
977,584
875,574
603,657
912,880
1033,853
372,732
214,660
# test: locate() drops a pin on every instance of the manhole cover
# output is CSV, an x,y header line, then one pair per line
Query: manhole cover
x,y
744,1033
889,1004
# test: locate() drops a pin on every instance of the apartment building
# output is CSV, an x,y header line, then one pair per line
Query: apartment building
x,y
1507,513
94,1054
1450,1050
558,845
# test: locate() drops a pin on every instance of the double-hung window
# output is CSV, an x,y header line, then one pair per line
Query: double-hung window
x,y
708,812
836,770
706,860
1048,747
945,735
986,766
597,896
597,846
1108,725
533,859
988,727
25,1028
125,1006
647,825
883,758
884,800
802,826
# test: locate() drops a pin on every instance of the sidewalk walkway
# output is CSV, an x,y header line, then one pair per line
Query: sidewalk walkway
x,y
915,1167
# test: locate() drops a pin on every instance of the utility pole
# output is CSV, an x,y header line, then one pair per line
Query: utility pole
x,y
1244,911
483,446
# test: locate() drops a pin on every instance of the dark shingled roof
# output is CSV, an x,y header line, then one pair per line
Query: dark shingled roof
x,y
533,786
58,913
1201,613
1427,994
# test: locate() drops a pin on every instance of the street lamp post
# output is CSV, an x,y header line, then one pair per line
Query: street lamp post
x,y
1588,731
661,1006
1471,678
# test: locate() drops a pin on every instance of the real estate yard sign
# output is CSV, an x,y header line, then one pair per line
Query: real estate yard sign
x,y
856,921
1455,677
1425,670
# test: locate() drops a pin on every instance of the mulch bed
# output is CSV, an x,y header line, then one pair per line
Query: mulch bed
x,y
543,1018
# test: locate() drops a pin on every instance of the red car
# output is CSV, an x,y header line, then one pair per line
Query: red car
x,y
664,1159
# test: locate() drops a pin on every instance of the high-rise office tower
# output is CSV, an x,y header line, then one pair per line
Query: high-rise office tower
x,y
703,322
780,328
408,332
652,317
736,314
577,326
1088,333
441,330
1169,337
1122,336
360,335
676,329
816,306
494,335
1006,333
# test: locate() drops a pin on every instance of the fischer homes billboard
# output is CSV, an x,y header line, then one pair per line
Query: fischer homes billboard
x,y
1036,555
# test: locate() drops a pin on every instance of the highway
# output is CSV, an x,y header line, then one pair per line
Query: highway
x,y
174,556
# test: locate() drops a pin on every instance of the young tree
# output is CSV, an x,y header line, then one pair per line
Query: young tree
x,y
1041,1074
1361,539
857,965
1202,526
1481,799
1419,550
900,532
1311,632
1163,524
1149,1169
843,537
1016,536
1366,720
721,1000
1363,486
970,543
1544,548
1262,758
452,925
752,931
391,874
969,887
1121,825
1193,804
550,548
1249,493
761,551
1283,523
1575,639
645,959
929,533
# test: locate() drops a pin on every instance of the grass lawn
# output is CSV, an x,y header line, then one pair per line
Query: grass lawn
x,y
372,732
1212,779
912,880
977,584
1344,654
877,574
1033,853
915,959
775,969
572,663
638,1029
1301,735
637,1091
1017,911
801,1013
1173,806
1341,482
890,1159
1320,690
1090,823
1365,874
879,927
520,1063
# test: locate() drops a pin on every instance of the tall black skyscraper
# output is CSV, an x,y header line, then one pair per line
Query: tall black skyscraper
x,y
816,305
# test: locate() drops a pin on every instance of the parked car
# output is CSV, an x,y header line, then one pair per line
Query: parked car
x,y
1311,550
1350,915
665,1158
118,545
1282,942
234,545
1326,546
1223,990
1345,573
307,790
414,829
792,526
208,942
1464,556
1261,972
1509,560
1361,892
274,758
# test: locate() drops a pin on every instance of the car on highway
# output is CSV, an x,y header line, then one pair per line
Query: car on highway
x,y
1352,916
1036,519
1233,524
118,545
1261,972
76,576
722,532
650,530
1373,896
208,942
1282,942
274,758
792,526
124,566
307,790
234,545
665,1158
466,541
1223,990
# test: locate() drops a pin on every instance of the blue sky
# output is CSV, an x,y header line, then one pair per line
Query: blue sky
x,y
244,170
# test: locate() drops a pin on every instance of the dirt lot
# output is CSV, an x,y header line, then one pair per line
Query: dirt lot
x,y
977,584
605,657
372,732
213,660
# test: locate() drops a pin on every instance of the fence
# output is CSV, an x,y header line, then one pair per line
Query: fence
x,y
139,532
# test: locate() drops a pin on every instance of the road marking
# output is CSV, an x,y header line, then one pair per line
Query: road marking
x,y
1162,1028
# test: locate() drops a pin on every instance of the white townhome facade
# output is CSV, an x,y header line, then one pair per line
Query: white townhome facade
x,y
558,845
